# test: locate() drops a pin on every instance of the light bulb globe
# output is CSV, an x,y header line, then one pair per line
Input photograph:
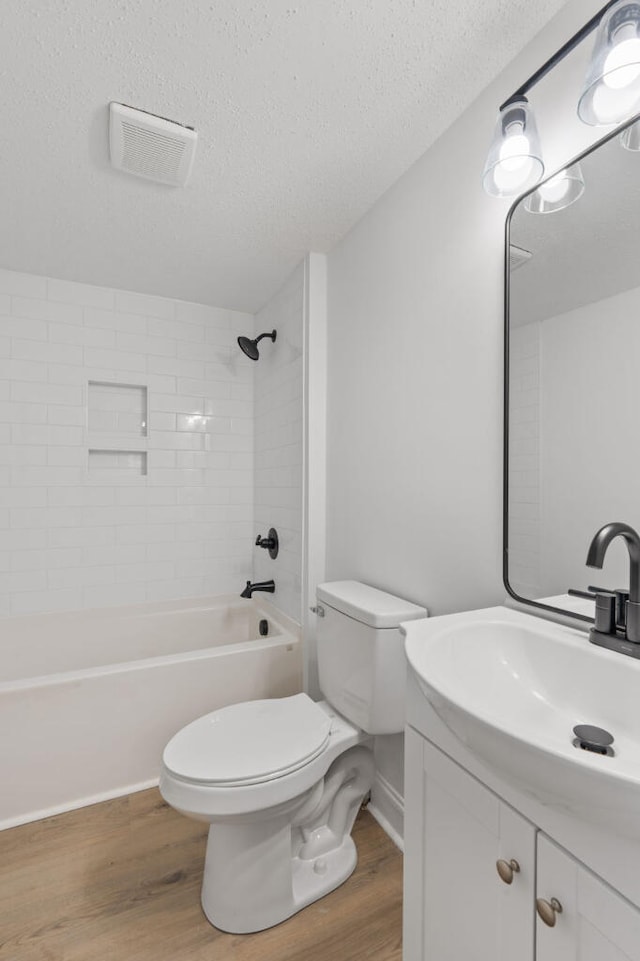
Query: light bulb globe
x,y
622,64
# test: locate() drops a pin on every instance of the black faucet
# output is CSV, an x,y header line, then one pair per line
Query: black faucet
x,y
268,586
630,619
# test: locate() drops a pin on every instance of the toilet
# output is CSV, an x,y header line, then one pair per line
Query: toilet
x,y
280,781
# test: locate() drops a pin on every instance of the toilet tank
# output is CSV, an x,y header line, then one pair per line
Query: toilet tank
x,y
361,662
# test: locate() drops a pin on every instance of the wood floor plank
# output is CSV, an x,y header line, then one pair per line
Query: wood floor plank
x,y
121,881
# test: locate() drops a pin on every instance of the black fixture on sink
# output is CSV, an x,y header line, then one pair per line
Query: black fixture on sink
x,y
270,542
611,606
268,586
617,615
588,737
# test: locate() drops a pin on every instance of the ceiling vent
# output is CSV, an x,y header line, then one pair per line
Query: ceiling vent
x,y
149,146
518,256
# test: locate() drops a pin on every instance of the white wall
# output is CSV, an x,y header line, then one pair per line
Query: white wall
x,y
278,412
415,362
79,530
414,391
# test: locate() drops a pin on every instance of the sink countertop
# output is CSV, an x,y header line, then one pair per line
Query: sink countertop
x,y
511,686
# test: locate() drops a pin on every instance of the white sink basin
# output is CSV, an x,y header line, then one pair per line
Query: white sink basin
x,y
511,688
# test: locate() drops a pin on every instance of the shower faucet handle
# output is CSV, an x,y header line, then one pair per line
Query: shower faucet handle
x,y
269,543
265,542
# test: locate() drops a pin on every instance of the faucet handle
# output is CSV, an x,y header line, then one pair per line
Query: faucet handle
x,y
606,611
269,543
621,596
610,609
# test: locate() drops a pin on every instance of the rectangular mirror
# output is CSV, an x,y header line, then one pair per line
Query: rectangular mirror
x,y
572,419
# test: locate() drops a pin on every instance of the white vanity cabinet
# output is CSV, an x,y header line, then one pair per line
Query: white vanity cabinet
x,y
457,905
457,908
596,923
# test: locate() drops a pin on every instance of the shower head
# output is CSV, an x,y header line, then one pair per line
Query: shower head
x,y
250,347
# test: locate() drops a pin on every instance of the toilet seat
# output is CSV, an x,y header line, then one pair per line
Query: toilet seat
x,y
249,743
210,801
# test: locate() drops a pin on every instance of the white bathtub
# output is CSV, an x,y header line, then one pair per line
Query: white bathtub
x,y
89,699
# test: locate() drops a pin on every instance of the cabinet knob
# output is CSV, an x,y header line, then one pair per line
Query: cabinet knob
x,y
547,910
506,869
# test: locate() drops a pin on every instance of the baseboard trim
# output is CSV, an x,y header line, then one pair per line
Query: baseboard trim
x,y
50,812
387,807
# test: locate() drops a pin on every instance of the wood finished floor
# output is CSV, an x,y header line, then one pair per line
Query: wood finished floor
x,y
120,881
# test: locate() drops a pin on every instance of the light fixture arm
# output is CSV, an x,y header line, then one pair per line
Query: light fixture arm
x,y
559,55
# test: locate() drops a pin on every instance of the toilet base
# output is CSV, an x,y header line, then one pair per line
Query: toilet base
x,y
314,879
258,873
311,880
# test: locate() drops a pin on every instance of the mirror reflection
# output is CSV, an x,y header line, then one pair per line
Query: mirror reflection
x,y
573,429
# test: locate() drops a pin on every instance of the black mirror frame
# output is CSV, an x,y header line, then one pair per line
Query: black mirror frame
x,y
505,453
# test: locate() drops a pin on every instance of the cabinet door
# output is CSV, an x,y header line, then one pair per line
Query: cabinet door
x,y
596,923
458,908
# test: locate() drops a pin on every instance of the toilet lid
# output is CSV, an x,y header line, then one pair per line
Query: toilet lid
x,y
250,742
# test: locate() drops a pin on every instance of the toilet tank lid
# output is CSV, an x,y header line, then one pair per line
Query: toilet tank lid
x,y
368,604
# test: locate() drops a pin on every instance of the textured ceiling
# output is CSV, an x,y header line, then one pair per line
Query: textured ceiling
x,y
306,113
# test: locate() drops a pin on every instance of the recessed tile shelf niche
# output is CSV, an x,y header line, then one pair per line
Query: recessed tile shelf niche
x,y
117,421
131,461
117,408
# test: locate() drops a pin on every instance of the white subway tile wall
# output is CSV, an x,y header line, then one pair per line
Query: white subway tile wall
x,y
278,406
76,532
524,460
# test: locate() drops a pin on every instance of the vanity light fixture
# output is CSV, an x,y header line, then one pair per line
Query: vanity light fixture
x,y
611,90
515,158
558,192
611,94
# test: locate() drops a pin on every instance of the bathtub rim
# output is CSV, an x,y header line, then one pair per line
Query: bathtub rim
x,y
37,681
286,628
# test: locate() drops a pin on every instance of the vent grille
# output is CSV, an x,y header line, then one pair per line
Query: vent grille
x,y
518,257
151,147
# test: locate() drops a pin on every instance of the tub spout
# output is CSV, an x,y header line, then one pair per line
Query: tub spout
x,y
268,586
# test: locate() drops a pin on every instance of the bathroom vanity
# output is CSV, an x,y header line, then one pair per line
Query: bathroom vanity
x,y
521,841
508,856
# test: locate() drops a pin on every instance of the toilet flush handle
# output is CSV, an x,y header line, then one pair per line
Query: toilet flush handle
x,y
318,609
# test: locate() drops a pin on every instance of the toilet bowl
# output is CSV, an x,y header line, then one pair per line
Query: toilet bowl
x,y
280,781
